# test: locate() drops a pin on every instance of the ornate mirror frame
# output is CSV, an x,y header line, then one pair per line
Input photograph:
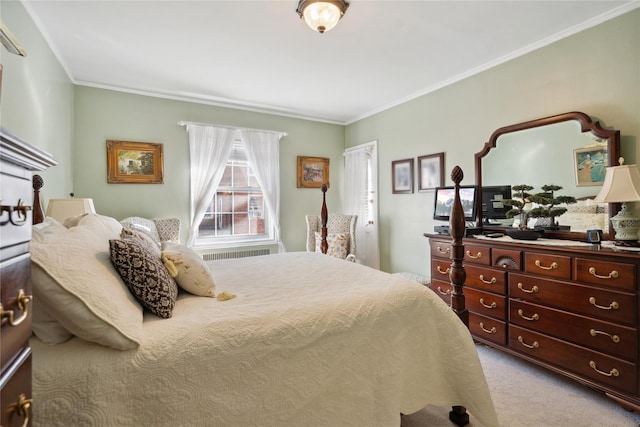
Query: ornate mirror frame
x,y
586,125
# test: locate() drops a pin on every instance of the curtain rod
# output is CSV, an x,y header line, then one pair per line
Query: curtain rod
x,y
185,123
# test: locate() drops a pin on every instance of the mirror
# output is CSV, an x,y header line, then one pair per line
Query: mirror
x,y
554,150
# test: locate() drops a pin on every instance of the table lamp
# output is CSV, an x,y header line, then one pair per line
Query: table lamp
x,y
622,185
61,209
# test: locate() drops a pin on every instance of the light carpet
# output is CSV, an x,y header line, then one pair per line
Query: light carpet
x,y
526,395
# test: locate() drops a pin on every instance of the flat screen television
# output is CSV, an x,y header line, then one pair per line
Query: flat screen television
x,y
492,206
444,202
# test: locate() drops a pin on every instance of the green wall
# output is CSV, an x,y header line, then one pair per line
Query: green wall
x,y
104,114
596,71
36,103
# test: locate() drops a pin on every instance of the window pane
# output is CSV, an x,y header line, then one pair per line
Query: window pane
x,y
240,176
226,177
240,202
224,226
241,224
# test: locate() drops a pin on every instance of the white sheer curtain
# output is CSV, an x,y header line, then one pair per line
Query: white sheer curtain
x,y
263,155
360,179
209,149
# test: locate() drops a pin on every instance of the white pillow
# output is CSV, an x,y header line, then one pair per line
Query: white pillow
x,y
193,274
50,225
74,279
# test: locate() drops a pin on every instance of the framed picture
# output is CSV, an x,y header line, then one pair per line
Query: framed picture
x,y
134,162
590,165
430,171
402,176
313,172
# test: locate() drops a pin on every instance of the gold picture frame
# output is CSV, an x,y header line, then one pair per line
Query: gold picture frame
x,y
313,172
134,162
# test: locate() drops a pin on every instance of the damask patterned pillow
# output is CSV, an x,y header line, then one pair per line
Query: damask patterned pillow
x,y
338,244
144,275
146,239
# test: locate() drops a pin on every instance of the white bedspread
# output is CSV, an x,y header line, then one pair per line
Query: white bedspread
x,y
309,340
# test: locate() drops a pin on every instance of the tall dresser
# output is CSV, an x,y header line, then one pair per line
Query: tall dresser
x,y
571,309
18,160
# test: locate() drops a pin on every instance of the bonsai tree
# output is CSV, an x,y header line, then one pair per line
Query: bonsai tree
x,y
549,202
518,203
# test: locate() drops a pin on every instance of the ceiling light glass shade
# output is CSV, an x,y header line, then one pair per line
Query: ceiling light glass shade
x,y
622,185
61,209
321,15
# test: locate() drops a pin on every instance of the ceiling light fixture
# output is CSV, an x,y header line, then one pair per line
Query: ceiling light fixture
x,y
321,15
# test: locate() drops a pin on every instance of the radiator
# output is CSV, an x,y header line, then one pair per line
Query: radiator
x,y
235,254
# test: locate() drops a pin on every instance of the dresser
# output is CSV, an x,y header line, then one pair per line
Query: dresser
x,y
571,309
18,160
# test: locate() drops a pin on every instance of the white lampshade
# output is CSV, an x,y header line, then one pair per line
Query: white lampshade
x,y
61,209
321,15
622,185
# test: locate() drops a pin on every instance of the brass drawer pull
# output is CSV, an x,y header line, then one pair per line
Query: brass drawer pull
x,y
442,272
533,290
488,282
613,275
614,338
531,319
20,208
492,305
613,306
612,373
446,251
443,292
23,408
23,302
534,345
493,330
553,265
478,255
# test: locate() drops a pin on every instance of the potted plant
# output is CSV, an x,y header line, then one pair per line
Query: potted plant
x,y
548,206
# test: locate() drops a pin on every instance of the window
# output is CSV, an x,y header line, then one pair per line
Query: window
x,y
237,212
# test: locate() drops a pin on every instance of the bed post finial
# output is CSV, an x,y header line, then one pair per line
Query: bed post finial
x,y
324,216
38,215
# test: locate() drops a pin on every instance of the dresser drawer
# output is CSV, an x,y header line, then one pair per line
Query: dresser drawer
x,y
606,273
477,255
15,188
486,303
440,249
442,289
610,371
16,329
617,340
488,328
549,265
508,259
613,306
489,279
440,269
16,390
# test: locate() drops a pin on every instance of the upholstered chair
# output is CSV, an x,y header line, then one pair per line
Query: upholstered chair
x,y
341,235
160,229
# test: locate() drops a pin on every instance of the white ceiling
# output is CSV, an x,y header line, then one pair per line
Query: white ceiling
x,y
259,55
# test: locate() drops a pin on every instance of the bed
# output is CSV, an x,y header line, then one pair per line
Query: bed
x,y
306,340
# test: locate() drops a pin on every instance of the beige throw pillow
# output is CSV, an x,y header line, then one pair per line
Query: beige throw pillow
x,y
338,244
192,273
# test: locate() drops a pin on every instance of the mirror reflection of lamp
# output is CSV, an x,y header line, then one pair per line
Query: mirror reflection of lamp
x,y
622,185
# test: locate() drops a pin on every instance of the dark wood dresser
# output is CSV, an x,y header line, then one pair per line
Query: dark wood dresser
x,y
18,160
573,310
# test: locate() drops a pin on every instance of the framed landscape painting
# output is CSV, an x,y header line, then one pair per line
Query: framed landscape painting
x,y
313,172
134,162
